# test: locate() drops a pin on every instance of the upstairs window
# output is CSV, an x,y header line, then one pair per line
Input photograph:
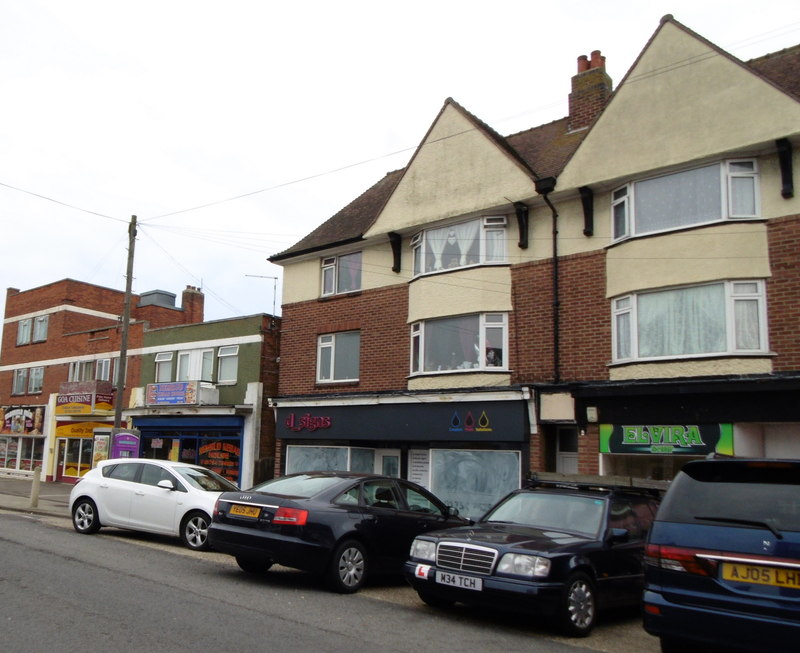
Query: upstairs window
x,y
163,362
40,328
474,242
82,371
35,380
341,274
337,357
466,342
721,191
24,331
195,365
718,318
228,364
19,382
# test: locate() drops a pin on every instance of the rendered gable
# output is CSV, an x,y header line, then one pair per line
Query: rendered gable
x,y
682,101
457,170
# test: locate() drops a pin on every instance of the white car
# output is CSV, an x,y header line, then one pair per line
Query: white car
x,y
155,496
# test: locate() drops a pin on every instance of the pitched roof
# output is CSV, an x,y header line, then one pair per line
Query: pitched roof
x,y
781,68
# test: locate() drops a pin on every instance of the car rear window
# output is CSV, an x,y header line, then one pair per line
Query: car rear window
x,y
739,493
302,485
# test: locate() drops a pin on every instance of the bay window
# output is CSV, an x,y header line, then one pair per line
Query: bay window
x,y
337,356
711,193
716,318
474,242
465,342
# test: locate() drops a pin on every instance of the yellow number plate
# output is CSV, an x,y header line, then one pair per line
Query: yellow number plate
x,y
244,511
775,576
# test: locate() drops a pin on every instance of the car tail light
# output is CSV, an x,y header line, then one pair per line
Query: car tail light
x,y
216,509
676,558
293,516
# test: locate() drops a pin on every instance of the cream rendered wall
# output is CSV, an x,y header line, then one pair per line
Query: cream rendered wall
x,y
691,368
457,171
459,380
682,101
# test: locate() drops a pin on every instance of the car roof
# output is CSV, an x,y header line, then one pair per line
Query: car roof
x,y
167,463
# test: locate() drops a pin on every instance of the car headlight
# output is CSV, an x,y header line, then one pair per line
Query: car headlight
x,y
423,550
524,565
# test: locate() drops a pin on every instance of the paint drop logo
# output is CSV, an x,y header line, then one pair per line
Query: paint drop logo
x,y
468,424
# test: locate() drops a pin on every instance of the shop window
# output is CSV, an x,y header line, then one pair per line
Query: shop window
x,y
465,342
24,331
473,242
341,274
228,369
163,362
312,458
337,357
473,481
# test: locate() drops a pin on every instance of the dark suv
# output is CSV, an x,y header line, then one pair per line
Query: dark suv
x,y
563,549
723,558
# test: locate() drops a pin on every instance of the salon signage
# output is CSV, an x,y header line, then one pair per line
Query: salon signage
x,y
681,439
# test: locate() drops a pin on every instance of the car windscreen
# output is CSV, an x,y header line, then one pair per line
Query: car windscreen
x,y
300,485
752,494
205,479
548,511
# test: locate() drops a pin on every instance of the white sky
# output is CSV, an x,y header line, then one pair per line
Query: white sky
x,y
112,108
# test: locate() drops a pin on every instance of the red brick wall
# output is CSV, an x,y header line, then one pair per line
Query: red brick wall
x,y
584,314
381,315
783,292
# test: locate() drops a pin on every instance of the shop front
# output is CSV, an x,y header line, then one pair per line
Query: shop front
x,y
21,438
650,430
470,449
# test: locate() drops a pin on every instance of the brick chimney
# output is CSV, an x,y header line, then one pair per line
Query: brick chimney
x,y
193,305
591,88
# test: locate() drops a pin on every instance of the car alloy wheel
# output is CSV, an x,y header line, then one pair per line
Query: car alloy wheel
x,y
194,530
348,567
579,607
84,516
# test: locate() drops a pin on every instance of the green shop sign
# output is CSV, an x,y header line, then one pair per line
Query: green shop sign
x,y
680,439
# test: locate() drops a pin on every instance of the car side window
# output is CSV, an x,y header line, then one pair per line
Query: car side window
x,y
125,471
418,502
380,494
348,498
152,474
623,516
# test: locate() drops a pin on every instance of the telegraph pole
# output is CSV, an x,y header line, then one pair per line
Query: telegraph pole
x,y
122,368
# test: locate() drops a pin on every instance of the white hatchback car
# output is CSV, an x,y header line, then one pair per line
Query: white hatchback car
x,y
155,496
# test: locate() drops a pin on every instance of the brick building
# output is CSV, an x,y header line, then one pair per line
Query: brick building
x,y
614,292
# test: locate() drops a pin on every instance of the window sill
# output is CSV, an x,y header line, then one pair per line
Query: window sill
x,y
694,357
339,295
474,370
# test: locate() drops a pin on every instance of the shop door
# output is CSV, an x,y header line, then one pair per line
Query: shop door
x,y
567,450
387,462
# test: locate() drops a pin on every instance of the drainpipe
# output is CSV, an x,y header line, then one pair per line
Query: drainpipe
x,y
544,187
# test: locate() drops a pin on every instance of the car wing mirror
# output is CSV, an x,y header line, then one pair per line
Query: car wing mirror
x,y
166,484
451,511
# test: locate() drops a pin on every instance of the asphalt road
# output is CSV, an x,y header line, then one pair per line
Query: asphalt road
x,y
127,591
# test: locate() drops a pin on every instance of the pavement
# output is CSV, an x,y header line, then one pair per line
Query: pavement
x,y
17,493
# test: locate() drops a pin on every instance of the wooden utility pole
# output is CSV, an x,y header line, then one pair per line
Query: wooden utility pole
x,y
122,368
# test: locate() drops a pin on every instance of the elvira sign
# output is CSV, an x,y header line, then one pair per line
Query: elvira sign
x,y
683,439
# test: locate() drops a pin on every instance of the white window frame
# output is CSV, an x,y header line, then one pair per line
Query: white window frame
x,y
40,324
24,331
491,229
20,381
623,213
163,360
326,351
487,323
35,380
103,369
228,365
331,277
625,310
195,365
82,370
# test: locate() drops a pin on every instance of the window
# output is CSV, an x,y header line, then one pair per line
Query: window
x,y
482,240
337,356
341,274
19,382
228,364
719,318
700,196
163,367
40,328
196,365
81,371
35,380
466,342
24,331
103,370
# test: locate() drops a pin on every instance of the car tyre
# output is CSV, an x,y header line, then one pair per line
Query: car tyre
x,y
194,530
348,567
434,601
578,609
253,565
85,518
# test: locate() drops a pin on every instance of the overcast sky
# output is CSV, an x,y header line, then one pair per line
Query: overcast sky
x,y
233,128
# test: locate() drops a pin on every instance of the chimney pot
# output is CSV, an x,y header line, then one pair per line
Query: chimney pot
x,y
583,63
598,61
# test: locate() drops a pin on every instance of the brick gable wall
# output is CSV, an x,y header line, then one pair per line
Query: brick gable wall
x,y
783,292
